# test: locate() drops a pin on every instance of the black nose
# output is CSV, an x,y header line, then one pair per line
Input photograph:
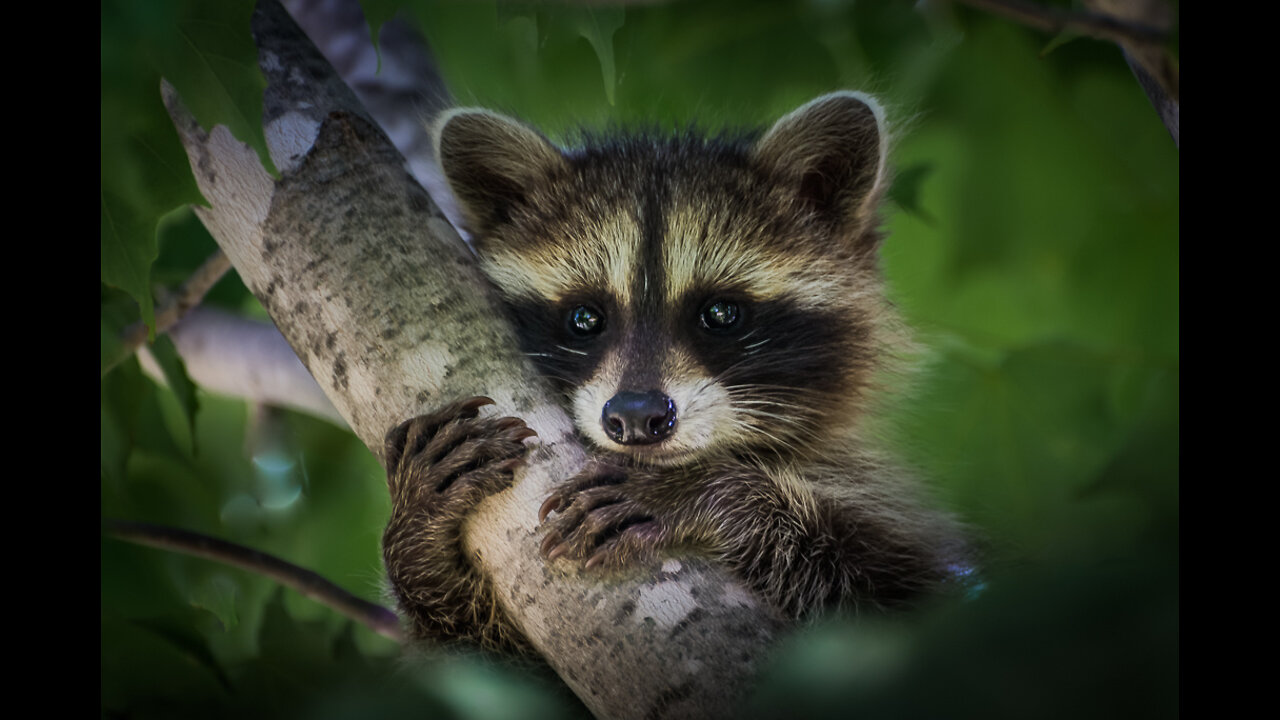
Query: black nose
x,y
632,418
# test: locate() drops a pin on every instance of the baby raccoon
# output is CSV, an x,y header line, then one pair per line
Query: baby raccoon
x,y
712,310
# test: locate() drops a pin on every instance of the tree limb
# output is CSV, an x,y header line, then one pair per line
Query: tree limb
x,y
306,582
245,358
385,306
1055,20
397,82
187,297
1139,27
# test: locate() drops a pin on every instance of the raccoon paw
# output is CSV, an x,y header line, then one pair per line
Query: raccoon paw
x,y
599,520
452,456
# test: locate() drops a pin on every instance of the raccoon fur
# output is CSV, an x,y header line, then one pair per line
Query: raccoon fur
x,y
712,310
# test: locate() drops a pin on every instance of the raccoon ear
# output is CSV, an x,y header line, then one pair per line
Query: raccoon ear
x,y
491,161
832,152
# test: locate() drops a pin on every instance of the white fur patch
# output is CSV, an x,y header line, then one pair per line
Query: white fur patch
x,y
704,412
589,400
704,416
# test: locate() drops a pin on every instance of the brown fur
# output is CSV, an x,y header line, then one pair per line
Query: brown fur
x,y
765,464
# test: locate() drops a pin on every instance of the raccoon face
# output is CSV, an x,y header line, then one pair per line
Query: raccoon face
x,y
692,297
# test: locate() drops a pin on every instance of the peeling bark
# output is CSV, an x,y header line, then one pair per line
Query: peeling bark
x,y
384,305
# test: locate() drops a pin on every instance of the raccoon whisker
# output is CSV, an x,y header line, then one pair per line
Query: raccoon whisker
x,y
775,400
767,402
696,395
571,350
771,436
799,429
754,390
800,416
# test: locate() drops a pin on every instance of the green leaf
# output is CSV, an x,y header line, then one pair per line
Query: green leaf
x,y
905,190
1059,40
123,393
1079,640
190,645
149,672
206,51
208,54
113,350
217,593
376,14
597,24
114,447
144,170
175,374
127,249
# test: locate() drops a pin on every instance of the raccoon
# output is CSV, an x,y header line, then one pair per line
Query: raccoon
x,y
712,310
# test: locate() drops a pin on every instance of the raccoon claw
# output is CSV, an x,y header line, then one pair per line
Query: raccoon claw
x,y
411,436
552,504
637,542
553,546
595,560
595,476
455,448
600,525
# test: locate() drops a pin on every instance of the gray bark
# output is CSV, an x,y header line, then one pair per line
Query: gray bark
x,y
384,305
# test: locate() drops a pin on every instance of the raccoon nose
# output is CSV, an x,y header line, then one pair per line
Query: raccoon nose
x,y
632,418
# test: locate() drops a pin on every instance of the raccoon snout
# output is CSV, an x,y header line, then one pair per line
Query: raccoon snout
x,y
632,418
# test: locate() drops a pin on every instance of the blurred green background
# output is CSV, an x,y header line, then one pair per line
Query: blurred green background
x,y
1033,246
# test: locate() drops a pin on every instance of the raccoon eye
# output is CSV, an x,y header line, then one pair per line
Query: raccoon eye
x,y
720,315
584,320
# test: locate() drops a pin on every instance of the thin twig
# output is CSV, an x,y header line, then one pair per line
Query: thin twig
x,y
306,582
1055,20
187,297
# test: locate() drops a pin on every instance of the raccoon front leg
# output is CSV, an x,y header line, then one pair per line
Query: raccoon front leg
x,y
799,552
611,516
600,519
439,467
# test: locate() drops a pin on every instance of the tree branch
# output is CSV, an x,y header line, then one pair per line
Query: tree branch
x,y
187,297
1055,20
243,358
398,82
309,584
1139,27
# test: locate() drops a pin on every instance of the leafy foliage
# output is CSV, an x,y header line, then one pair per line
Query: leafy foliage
x,y
205,51
1033,244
